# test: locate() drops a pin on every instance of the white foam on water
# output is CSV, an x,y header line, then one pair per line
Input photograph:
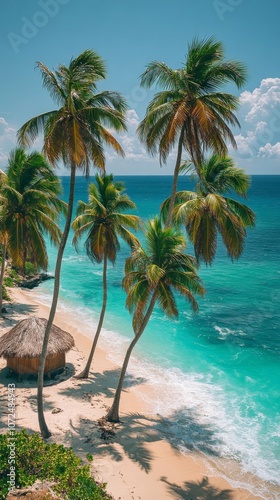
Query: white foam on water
x,y
75,258
224,331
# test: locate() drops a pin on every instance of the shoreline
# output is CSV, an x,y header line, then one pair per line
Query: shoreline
x,y
139,462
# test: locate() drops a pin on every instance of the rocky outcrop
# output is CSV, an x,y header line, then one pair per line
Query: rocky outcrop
x,y
34,281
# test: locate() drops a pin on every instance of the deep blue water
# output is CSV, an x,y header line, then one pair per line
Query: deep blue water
x,y
214,374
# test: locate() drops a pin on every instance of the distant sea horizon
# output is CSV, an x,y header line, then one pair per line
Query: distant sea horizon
x,y
93,173
214,376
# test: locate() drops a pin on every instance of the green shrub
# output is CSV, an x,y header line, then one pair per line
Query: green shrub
x,y
15,276
8,281
11,279
35,459
30,269
5,294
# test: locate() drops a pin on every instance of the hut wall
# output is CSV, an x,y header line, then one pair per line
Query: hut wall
x,y
31,365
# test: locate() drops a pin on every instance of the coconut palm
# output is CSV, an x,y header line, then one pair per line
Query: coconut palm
x,y
152,276
208,212
76,134
29,210
191,111
102,221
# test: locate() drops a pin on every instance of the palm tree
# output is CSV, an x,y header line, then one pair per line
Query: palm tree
x,y
191,110
151,276
29,210
208,212
103,222
75,133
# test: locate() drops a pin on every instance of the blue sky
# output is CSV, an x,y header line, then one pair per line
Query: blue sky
x,y
128,35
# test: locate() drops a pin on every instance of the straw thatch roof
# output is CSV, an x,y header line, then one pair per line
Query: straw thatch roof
x,y
25,340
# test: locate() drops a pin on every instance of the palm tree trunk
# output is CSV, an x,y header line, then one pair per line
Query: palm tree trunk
x,y
42,423
113,414
3,265
85,372
175,181
24,258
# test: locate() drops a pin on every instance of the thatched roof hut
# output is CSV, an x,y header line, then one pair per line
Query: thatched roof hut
x,y
22,346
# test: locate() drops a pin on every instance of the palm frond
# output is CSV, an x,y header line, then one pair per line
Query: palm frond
x,y
191,103
102,221
27,134
246,215
51,83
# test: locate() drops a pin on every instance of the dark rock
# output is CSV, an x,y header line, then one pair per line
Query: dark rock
x,y
4,310
35,280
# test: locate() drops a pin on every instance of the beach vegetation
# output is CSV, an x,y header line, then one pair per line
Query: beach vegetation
x,y
12,278
29,211
30,269
75,134
208,211
154,275
192,112
35,459
103,221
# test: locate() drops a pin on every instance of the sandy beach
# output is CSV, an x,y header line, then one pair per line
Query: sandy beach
x,y
137,462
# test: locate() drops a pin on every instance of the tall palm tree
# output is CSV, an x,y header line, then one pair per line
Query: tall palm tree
x,y
102,221
208,212
29,210
76,134
151,276
191,111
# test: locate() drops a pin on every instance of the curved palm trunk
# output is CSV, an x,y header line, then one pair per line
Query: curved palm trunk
x,y
42,423
175,181
85,372
24,259
3,265
113,414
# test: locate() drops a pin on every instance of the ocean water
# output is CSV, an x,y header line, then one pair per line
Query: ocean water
x,y
214,376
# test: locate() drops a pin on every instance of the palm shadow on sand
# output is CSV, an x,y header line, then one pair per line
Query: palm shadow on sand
x,y
100,384
10,318
192,490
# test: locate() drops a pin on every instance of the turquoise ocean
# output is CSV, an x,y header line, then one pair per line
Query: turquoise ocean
x,y
215,375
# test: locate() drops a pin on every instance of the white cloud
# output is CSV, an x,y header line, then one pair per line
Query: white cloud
x,y
7,140
129,141
259,114
262,101
270,151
